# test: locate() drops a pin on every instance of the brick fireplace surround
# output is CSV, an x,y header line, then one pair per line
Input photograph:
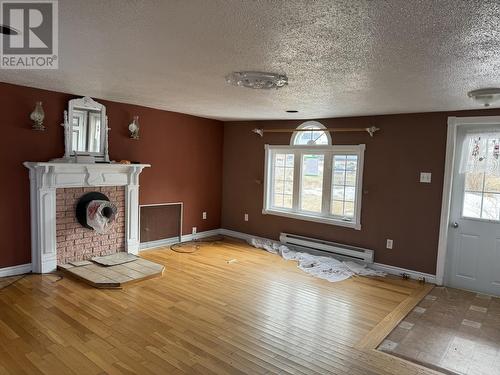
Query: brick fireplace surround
x,y
56,235
75,242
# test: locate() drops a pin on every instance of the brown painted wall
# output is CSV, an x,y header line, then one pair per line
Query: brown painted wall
x,y
394,204
185,153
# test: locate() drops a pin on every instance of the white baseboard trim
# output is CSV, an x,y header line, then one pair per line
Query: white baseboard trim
x,y
240,235
160,243
391,270
15,270
171,241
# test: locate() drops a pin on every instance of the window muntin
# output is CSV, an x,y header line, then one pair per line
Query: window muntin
x,y
326,184
481,196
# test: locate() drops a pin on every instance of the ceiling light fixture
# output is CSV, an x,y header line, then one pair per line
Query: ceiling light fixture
x,y
257,80
485,96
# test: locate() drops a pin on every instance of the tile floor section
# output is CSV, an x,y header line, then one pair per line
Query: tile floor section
x,y
453,331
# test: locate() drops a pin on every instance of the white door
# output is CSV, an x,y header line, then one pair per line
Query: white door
x,y
473,256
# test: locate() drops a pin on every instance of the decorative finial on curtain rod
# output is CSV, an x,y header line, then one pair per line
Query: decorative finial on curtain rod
x,y
259,132
372,130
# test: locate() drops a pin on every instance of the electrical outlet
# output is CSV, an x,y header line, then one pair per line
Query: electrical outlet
x,y
246,217
194,230
425,177
389,244
204,216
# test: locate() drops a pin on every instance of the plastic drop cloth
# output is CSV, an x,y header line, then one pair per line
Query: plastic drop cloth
x,y
96,219
323,267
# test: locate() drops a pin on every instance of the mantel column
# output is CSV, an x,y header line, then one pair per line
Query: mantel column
x,y
132,212
43,223
132,220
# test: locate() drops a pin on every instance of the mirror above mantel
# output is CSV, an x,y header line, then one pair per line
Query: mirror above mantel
x,y
85,132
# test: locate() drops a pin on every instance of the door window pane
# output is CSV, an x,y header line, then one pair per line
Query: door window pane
x,y
474,181
481,196
491,206
311,192
492,184
472,205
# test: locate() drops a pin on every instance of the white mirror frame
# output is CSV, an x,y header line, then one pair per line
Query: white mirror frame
x,y
86,103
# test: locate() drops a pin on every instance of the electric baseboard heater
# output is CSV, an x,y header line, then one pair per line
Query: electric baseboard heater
x,y
345,251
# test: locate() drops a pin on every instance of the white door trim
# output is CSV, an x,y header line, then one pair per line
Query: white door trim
x,y
451,144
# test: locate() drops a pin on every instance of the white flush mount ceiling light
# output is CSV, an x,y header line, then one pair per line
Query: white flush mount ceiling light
x,y
257,80
485,96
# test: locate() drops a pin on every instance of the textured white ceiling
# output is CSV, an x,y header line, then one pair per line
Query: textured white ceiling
x,y
343,58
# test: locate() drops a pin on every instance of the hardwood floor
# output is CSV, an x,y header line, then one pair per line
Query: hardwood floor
x,y
255,314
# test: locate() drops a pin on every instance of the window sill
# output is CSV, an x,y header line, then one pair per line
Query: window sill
x,y
316,219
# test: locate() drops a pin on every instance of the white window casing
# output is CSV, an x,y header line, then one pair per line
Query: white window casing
x,y
328,152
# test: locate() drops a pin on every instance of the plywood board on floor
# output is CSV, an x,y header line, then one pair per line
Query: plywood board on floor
x,y
113,276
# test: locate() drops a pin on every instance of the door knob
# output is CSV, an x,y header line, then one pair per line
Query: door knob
x,y
454,225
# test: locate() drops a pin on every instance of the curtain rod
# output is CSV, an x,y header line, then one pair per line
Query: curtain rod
x,y
371,130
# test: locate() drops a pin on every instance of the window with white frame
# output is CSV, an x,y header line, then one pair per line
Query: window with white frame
x,y
315,182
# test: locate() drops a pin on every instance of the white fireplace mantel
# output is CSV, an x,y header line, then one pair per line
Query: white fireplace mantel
x,y
46,177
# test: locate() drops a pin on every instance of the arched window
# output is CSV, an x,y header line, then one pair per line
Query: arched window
x,y
313,137
312,180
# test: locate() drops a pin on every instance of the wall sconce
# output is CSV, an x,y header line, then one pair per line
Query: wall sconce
x,y
37,116
134,128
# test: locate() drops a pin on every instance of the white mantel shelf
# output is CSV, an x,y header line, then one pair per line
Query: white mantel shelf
x,y
53,174
46,177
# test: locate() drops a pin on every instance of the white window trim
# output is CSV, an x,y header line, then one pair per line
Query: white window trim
x,y
297,150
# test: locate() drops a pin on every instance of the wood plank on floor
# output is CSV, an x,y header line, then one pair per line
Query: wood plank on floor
x,y
373,339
